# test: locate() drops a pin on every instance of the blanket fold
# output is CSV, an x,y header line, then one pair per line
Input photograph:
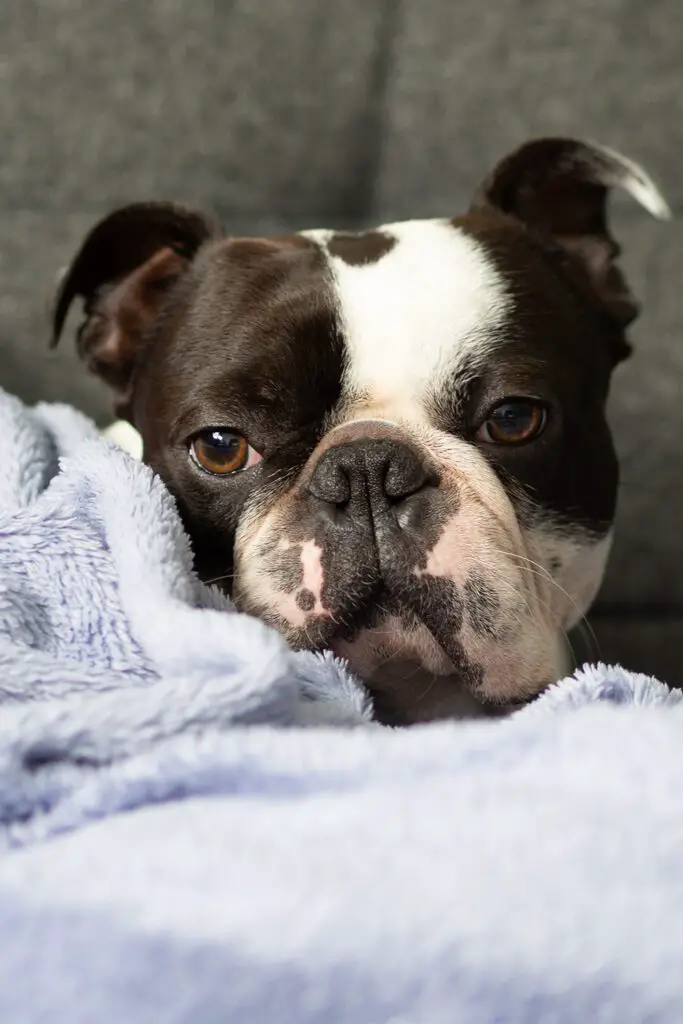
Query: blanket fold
x,y
198,824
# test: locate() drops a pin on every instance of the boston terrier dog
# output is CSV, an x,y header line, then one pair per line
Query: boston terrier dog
x,y
390,444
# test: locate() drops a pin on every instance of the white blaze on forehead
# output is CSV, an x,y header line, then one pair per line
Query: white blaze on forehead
x,y
430,308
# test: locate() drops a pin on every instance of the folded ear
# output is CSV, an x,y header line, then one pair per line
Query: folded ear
x,y
124,271
558,187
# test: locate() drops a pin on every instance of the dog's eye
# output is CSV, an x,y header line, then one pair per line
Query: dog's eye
x,y
222,452
514,421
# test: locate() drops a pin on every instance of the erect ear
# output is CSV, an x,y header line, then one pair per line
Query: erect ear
x,y
558,187
124,271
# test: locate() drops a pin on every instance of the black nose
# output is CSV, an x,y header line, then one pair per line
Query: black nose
x,y
378,473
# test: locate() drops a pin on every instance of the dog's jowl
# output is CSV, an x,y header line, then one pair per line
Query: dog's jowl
x,y
392,444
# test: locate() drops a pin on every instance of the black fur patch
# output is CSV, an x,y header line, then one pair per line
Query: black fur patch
x,y
358,250
306,600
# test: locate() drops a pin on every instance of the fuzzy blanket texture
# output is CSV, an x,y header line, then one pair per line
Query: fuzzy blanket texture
x,y
198,825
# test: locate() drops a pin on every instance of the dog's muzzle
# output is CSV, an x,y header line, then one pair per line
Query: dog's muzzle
x,y
395,558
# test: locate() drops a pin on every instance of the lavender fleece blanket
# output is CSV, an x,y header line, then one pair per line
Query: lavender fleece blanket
x,y
197,825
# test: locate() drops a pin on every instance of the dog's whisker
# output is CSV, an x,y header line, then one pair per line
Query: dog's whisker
x,y
536,569
584,628
426,692
220,579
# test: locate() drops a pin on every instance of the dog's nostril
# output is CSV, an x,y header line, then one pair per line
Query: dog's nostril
x,y
331,483
405,474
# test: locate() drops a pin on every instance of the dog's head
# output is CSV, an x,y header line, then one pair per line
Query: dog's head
x,y
391,444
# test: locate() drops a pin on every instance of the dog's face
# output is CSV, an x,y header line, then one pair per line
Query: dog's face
x,y
390,444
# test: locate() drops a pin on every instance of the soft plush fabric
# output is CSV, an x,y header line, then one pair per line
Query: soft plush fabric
x,y
197,824
521,871
97,595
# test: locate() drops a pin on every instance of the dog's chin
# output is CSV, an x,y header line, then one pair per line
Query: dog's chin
x,y
413,674
410,676
405,692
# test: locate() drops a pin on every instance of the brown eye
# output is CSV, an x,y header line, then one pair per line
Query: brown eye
x,y
514,421
222,452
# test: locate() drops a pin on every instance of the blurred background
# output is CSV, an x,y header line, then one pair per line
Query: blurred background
x,y
282,114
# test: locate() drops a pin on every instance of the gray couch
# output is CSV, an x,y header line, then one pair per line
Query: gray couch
x,y
291,113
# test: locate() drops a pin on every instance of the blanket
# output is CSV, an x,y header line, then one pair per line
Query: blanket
x,y
197,824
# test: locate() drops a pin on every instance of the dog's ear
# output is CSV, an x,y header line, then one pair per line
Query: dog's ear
x,y
123,272
558,187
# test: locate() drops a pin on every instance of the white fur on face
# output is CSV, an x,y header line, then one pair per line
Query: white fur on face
x,y
429,309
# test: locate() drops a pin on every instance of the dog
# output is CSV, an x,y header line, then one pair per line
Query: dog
x,y
391,444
